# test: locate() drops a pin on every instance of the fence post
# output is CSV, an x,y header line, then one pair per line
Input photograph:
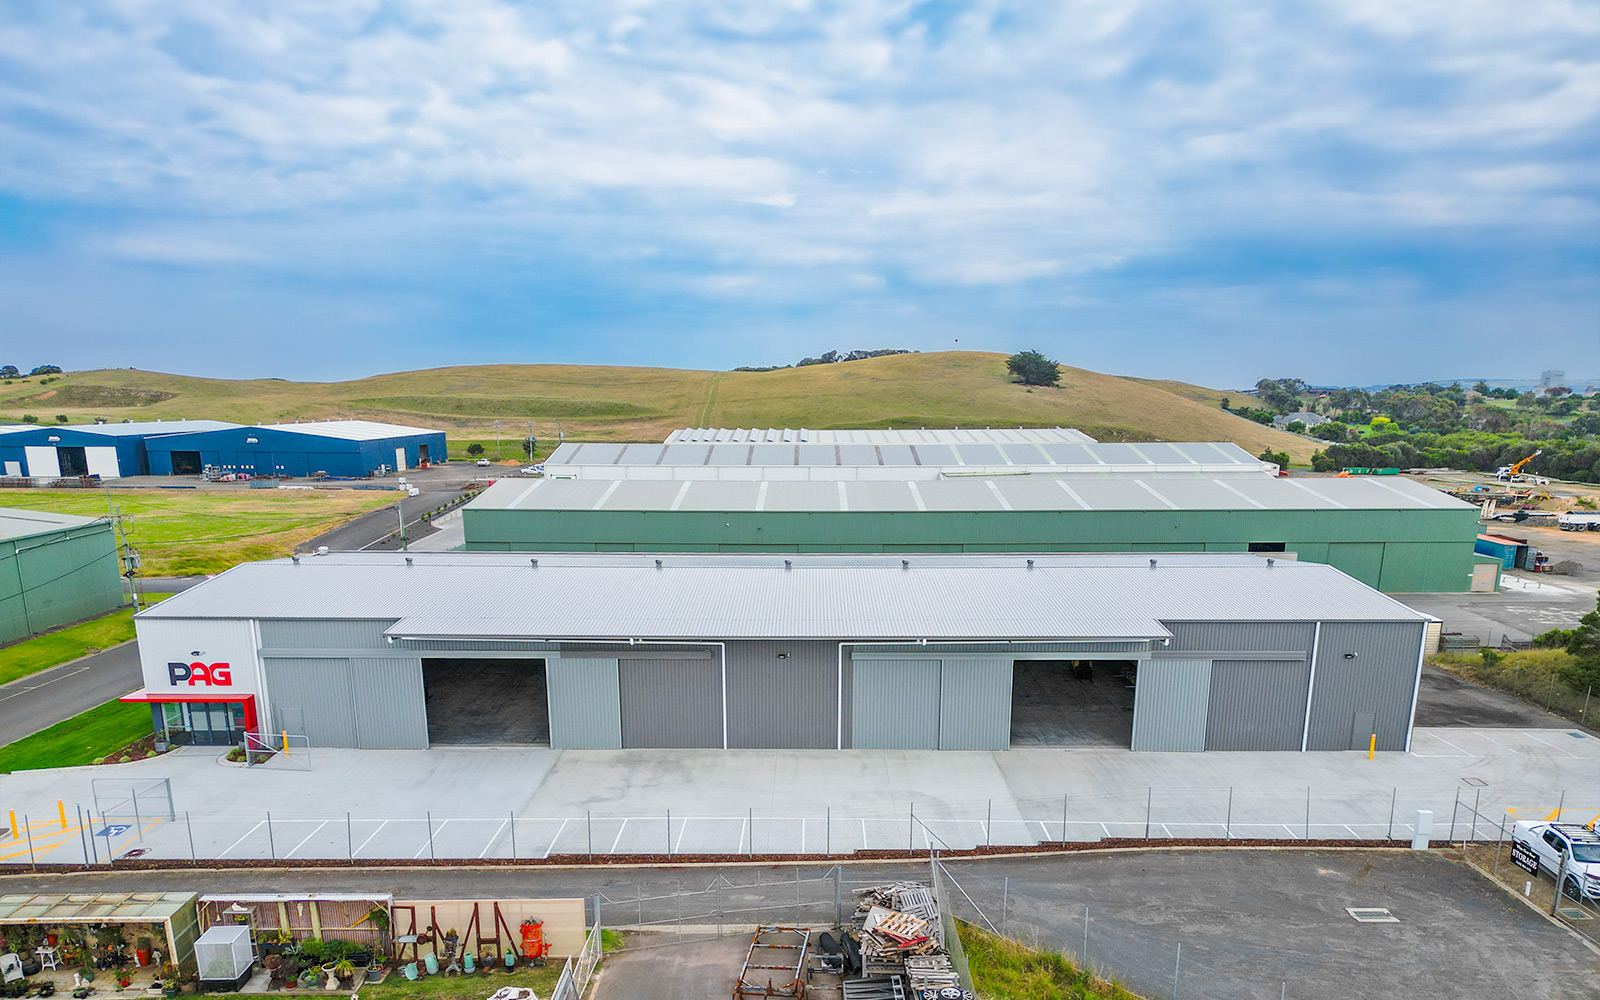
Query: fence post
x,y
138,824
1005,902
189,824
272,845
988,827
349,838
1177,967
669,833
1086,938
83,840
588,822
32,863
911,829
827,832
1561,805
94,848
1453,808
1149,796
1497,845
750,822
838,897
1477,796
1308,817
1583,716
1561,873
1227,826
1063,819
1393,797
431,855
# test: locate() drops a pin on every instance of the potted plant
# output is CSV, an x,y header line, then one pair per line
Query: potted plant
x,y
123,980
346,971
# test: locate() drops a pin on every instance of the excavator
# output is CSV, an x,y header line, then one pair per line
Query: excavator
x,y
1509,473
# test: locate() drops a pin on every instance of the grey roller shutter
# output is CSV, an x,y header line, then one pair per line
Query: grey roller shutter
x,y
975,704
1257,704
585,703
389,708
896,705
670,703
316,694
1169,705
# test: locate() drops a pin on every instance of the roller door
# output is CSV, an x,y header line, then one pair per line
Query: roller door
x,y
895,705
670,703
975,704
1169,705
1257,704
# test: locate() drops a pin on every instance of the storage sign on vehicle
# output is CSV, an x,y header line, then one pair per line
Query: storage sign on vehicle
x,y
1522,855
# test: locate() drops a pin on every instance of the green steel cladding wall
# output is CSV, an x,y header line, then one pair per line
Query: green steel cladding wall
x,y
57,577
1399,551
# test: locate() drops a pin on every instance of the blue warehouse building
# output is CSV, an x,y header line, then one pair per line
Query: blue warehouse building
x,y
109,451
333,447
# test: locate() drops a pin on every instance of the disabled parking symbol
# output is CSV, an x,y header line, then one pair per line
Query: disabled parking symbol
x,y
115,829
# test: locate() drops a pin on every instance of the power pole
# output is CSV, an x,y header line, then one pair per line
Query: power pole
x,y
127,555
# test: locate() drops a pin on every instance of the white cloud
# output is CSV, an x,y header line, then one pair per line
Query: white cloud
x,y
167,248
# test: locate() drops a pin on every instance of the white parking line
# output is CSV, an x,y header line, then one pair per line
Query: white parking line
x,y
683,828
364,843
743,823
1286,826
1447,743
241,840
1550,745
863,835
493,838
428,844
302,843
557,837
621,828
1503,746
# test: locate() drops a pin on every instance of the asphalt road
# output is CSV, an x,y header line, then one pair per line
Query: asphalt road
x,y
50,696
370,530
1248,920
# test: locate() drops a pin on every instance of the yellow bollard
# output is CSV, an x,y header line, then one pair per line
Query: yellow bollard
x,y
14,834
61,807
1372,747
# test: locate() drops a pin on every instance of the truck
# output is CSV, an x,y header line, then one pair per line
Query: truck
x,y
1567,851
1579,520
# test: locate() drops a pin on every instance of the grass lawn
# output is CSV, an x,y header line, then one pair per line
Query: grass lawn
x,y
193,532
1003,969
80,740
33,655
397,987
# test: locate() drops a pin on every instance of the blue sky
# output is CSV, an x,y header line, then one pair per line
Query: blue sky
x,y
1357,191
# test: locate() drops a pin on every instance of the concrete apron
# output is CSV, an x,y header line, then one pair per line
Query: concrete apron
x,y
459,802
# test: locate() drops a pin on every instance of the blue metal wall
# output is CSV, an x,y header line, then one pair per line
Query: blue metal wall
x,y
131,451
262,451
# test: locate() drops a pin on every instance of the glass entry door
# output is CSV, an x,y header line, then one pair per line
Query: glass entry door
x,y
199,723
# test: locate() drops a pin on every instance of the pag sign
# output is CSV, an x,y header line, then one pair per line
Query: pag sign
x,y
209,674
1524,857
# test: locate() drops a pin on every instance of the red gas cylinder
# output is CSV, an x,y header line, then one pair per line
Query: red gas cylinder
x,y
533,945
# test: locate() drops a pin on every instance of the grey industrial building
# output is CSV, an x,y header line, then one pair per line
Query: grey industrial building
x,y
863,651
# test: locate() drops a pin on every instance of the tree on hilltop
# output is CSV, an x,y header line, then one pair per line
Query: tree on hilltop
x,y
1033,368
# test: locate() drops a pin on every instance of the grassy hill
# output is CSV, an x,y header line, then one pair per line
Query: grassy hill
x,y
965,389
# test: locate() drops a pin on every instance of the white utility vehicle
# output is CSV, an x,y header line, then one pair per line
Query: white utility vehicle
x,y
1571,850
1578,520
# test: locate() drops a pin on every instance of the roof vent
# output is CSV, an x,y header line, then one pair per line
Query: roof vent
x,y
534,563
408,560
1030,564
295,560
905,564
1152,564
658,564
1271,561
788,564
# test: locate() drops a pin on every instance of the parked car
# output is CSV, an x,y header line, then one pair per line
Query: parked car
x,y
412,491
533,470
1568,848
484,462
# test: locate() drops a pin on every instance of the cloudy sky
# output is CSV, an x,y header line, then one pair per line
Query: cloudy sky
x,y
1352,191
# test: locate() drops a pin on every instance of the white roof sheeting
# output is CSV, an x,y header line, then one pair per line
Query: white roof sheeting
x,y
746,461
1105,491
350,430
923,435
16,523
617,596
151,428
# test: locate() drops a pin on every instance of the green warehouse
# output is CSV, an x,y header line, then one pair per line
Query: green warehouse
x,y
1046,490
54,569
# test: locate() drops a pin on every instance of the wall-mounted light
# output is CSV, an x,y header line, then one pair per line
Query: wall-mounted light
x,y
251,440
783,656
197,652
54,439
1349,656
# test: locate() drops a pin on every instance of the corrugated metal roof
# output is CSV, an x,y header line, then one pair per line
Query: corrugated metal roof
x,y
982,491
15,523
912,460
623,596
921,435
351,430
151,428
